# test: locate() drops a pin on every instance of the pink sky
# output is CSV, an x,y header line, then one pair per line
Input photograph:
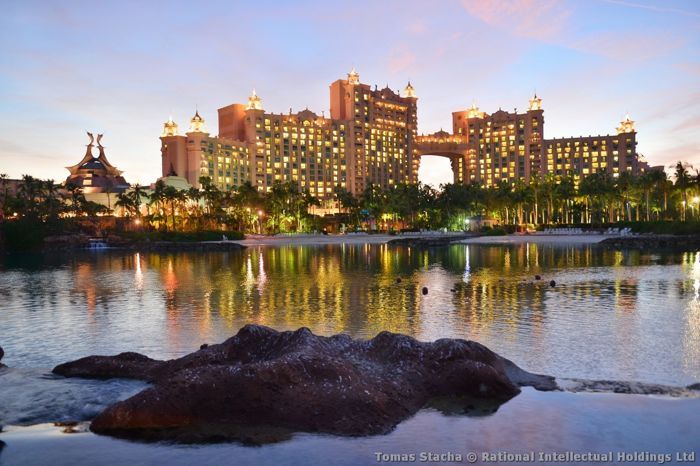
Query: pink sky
x,y
121,68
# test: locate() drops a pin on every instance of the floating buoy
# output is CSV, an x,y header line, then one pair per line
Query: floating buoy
x,y
537,277
552,283
425,290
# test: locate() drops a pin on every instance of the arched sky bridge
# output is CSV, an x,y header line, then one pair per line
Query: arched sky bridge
x,y
451,146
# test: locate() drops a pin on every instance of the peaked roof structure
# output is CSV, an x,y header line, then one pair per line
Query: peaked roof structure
x,y
96,174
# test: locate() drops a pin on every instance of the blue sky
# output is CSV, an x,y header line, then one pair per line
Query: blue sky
x,y
121,68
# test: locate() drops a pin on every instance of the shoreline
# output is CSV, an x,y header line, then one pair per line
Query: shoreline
x,y
513,428
319,239
639,241
537,239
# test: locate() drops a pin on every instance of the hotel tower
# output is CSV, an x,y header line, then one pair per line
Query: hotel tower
x,y
371,137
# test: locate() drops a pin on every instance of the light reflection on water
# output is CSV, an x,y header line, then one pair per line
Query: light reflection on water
x,y
612,314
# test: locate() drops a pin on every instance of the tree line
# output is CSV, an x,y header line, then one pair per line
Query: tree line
x,y
545,200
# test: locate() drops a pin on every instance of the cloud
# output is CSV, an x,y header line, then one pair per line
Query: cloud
x,y
655,8
552,22
536,19
401,59
690,123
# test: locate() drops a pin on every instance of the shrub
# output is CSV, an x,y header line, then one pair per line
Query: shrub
x,y
23,235
498,231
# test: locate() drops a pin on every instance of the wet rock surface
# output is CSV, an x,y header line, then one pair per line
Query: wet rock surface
x,y
2,354
261,384
627,387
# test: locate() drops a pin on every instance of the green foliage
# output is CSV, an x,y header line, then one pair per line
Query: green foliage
x,y
23,234
498,231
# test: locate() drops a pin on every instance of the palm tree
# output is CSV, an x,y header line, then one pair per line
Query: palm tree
x,y
625,184
565,191
683,181
535,189
126,203
76,197
157,199
502,196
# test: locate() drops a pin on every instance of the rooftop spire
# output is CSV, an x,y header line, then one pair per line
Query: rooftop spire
x,y
535,102
170,128
353,76
626,125
197,123
474,111
409,91
254,102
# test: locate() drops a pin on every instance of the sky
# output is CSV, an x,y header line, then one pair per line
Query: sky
x,y
121,68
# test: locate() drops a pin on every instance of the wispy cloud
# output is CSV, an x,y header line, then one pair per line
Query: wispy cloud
x,y
536,19
660,9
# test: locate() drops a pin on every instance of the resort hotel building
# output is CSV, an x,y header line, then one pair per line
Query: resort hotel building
x,y
370,137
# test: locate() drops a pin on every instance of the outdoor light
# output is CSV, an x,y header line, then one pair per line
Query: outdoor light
x,y
137,222
696,199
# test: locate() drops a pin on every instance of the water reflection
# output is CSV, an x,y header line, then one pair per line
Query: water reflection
x,y
611,314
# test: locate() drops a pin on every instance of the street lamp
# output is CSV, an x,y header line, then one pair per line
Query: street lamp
x,y
683,204
260,214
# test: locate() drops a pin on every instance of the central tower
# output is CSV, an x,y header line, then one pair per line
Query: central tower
x,y
382,126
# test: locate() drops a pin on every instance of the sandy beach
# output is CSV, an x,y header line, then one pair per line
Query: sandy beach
x,y
310,240
538,239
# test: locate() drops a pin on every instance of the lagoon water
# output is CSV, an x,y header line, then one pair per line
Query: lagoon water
x,y
612,315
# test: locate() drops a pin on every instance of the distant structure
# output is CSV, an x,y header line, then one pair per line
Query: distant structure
x,y
510,146
95,174
368,138
371,138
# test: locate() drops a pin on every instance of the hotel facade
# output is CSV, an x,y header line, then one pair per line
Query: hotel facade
x,y
371,137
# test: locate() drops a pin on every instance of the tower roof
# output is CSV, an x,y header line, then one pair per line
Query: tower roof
x,y
474,112
535,103
353,76
254,102
409,91
101,174
626,125
197,123
170,127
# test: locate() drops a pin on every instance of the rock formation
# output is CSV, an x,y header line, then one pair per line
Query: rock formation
x,y
296,381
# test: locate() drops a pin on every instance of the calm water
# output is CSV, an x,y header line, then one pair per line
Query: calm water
x,y
621,315
612,315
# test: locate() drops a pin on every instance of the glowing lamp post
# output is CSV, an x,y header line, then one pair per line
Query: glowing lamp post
x,y
260,216
683,204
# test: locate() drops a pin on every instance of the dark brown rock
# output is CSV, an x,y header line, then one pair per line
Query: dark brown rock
x,y
297,381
